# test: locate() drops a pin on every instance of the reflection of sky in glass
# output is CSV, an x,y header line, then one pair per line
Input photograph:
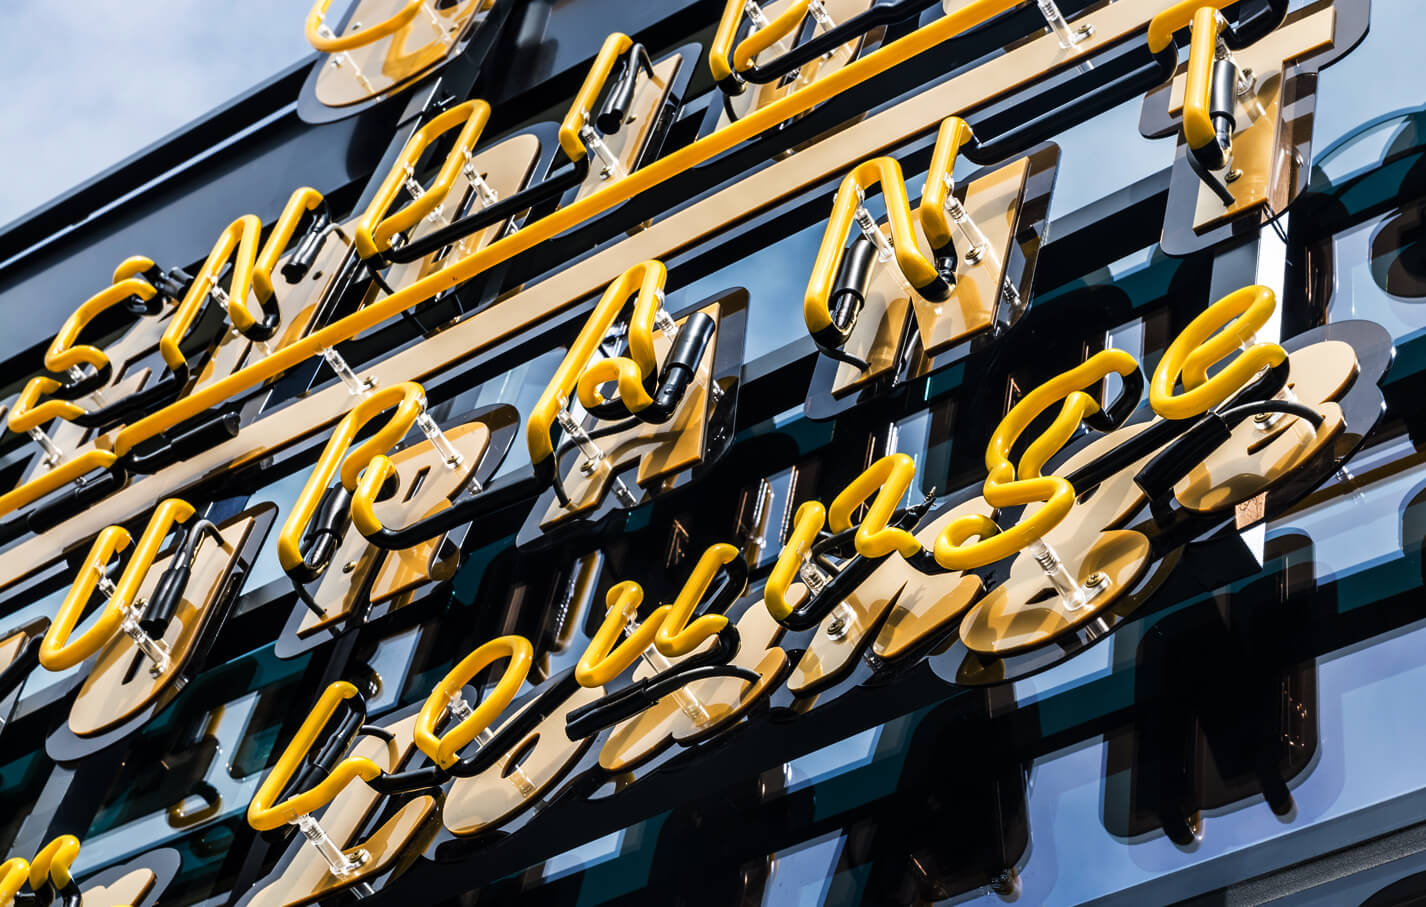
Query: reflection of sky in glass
x,y
830,761
1103,155
781,270
1352,531
155,829
41,679
283,493
801,875
1366,695
591,853
1381,74
1358,295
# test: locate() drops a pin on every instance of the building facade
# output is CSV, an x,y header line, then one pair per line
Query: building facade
x,y
824,453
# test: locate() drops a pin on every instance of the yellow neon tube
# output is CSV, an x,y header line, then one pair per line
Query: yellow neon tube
x,y
676,636
304,199
1180,15
408,400
55,479
916,268
623,372
890,478
931,210
376,228
1220,330
1004,488
263,813
63,354
14,873
806,524
720,50
58,651
445,750
238,242
1198,84
606,657
755,43
595,203
28,412
53,861
583,106
367,34
647,278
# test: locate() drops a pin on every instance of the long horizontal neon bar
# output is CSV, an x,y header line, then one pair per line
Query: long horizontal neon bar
x,y
596,203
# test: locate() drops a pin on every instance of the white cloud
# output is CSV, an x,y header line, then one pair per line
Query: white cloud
x,y
92,82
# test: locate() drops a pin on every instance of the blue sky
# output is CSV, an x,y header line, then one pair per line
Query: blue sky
x,y
92,82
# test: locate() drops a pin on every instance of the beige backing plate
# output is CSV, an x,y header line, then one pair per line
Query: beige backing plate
x,y
932,602
755,97
418,467
1257,150
993,202
880,329
1228,480
76,440
662,450
297,305
129,889
389,61
10,647
544,756
140,340
506,167
1108,504
926,603
1253,459
1024,612
306,878
108,697
724,699
628,143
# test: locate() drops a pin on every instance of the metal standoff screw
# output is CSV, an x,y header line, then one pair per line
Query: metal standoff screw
x,y
340,864
593,455
663,320
53,453
610,166
867,224
969,230
1232,175
450,456
1072,595
487,194
1067,37
1245,82
356,386
843,617
154,649
622,492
